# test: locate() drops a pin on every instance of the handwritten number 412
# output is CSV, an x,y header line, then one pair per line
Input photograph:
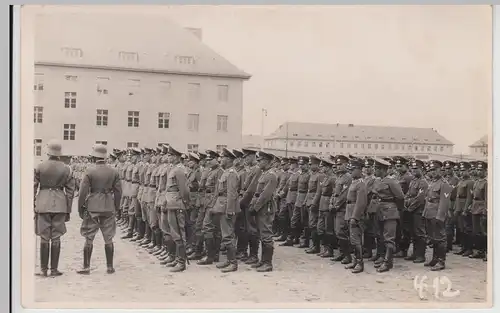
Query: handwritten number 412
x,y
420,285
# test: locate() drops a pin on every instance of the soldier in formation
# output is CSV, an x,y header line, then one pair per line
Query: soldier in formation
x,y
196,206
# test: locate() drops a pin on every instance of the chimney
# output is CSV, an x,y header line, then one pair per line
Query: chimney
x,y
196,31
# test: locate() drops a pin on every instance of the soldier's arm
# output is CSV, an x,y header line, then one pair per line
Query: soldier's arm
x,y
317,196
397,192
84,191
69,189
444,201
486,196
267,193
135,175
36,181
232,192
341,197
182,182
361,201
248,179
117,191
469,189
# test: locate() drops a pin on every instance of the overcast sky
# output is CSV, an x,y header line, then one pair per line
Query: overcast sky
x,y
421,66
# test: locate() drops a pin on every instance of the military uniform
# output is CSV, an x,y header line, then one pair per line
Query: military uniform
x,y
54,187
462,212
451,220
312,203
154,208
300,216
263,210
284,215
193,180
240,224
291,196
371,222
100,195
435,212
326,221
479,210
404,228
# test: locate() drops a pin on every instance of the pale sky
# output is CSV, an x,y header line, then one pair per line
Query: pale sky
x,y
419,66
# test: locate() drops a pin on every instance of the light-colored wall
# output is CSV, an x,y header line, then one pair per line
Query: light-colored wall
x,y
149,99
478,151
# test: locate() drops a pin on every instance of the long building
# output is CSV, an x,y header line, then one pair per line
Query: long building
x,y
479,148
293,138
131,81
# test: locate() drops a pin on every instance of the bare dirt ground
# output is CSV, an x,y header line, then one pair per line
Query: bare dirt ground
x,y
297,277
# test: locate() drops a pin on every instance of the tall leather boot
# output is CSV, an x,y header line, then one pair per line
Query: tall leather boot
x,y
434,259
242,246
289,240
180,264
44,259
284,225
327,240
171,257
109,250
307,236
55,251
209,258
160,242
141,228
254,251
413,255
316,244
267,259
441,249
419,248
467,243
147,236
232,262
449,241
388,261
152,245
131,226
217,243
358,255
368,246
345,247
87,254
378,257
478,253
198,249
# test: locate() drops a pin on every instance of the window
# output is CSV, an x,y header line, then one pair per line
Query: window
x,y
441,148
327,145
193,122
38,82
102,85
128,56
428,148
194,91
101,142
306,143
376,146
416,148
382,147
355,146
341,145
37,147
163,120
422,148
72,52
70,100
132,145
291,143
72,78
313,144
435,148
133,118
222,123
299,143
321,145
220,147
369,146
182,59
69,132
102,117
192,148
223,92
348,146
38,115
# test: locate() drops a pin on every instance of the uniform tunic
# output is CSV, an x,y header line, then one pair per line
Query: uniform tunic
x,y
177,201
357,202
54,187
339,202
436,209
100,195
300,217
226,207
313,197
326,219
479,208
462,202
414,206
209,229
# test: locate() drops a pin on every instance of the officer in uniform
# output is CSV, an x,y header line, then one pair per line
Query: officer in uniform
x,y
338,207
155,208
177,202
461,211
291,188
300,217
223,214
313,197
371,222
289,166
125,203
132,178
263,210
356,205
436,209
193,179
414,206
479,210
403,232
326,222
100,194
240,224
54,187
209,230
390,196
145,229
451,221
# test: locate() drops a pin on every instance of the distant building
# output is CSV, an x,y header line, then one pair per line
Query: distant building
x,y
480,147
252,141
131,81
295,138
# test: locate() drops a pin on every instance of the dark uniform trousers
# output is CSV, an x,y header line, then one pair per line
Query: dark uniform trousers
x,y
93,222
326,228
417,229
264,222
404,231
356,232
177,230
284,215
451,225
192,216
341,225
436,231
300,218
313,216
240,229
479,231
50,226
371,233
225,225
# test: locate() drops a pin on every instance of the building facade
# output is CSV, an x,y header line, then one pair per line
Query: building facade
x,y
479,149
252,141
131,91
294,138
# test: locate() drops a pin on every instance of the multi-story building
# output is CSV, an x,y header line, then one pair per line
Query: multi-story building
x,y
294,138
479,149
131,81
252,141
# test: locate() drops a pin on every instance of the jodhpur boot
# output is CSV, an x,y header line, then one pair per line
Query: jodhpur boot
x,y
434,259
368,247
180,264
171,249
315,244
217,243
109,250
141,228
352,264
44,259
254,251
388,261
87,254
419,248
467,244
153,244
209,258
306,241
379,252
242,247
198,249
328,252
55,251
147,236
131,226
441,257
288,242
346,252
358,256
231,264
479,252
267,259
402,253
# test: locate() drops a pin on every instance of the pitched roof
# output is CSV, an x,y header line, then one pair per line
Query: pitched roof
x,y
480,143
159,44
351,132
